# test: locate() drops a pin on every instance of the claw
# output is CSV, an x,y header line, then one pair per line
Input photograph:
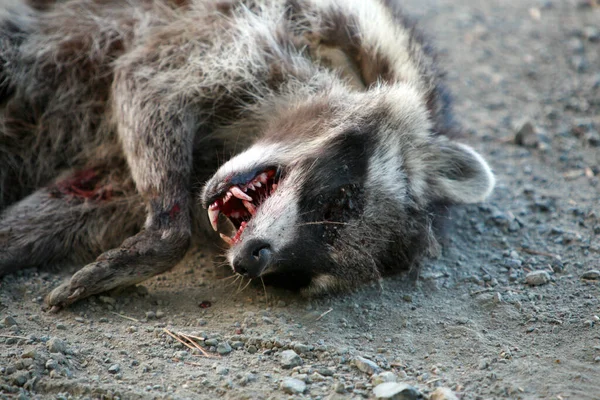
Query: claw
x,y
55,309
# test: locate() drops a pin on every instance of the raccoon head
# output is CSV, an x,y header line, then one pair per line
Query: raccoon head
x,y
339,189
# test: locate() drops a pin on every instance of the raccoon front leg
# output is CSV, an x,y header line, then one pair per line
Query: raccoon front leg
x,y
66,223
157,143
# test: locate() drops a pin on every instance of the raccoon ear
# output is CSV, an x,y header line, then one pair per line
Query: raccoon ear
x,y
462,175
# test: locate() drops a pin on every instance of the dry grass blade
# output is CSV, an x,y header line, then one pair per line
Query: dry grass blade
x,y
190,339
125,316
193,346
324,314
14,337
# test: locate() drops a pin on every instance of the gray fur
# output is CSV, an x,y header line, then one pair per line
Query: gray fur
x,y
108,124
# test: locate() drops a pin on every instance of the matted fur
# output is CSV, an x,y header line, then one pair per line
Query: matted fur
x,y
113,113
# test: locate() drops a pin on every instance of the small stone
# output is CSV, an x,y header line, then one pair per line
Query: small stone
x,y
252,349
160,314
20,378
31,353
339,387
527,136
224,348
293,386
537,278
289,359
51,364
301,348
212,342
366,366
61,327
383,377
113,369
56,345
222,370
592,274
181,354
396,391
150,314
107,300
9,321
443,394
325,371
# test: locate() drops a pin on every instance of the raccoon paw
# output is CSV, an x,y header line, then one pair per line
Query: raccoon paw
x,y
92,279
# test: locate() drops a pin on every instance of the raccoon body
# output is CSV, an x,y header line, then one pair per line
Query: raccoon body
x,y
333,113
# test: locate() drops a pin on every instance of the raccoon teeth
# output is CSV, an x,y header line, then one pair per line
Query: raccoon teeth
x,y
227,239
249,186
227,197
262,178
257,184
213,216
250,207
237,192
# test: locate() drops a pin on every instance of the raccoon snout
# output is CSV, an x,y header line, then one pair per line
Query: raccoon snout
x,y
253,258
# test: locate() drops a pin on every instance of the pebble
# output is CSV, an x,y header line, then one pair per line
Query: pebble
x,y
290,359
113,369
51,364
443,394
56,345
366,366
339,387
9,321
61,327
150,314
526,136
383,377
293,386
224,348
31,353
252,349
537,278
396,391
160,314
222,370
591,274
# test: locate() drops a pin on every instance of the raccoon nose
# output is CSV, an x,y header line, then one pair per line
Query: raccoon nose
x,y
253,258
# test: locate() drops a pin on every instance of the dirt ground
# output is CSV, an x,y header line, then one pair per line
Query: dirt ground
x,y
470,323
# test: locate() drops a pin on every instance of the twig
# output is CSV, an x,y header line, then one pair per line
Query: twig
x,y
14,337
193,363
539,253
124,316
324,314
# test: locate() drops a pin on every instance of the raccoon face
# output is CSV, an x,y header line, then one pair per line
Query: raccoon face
x,y
338,190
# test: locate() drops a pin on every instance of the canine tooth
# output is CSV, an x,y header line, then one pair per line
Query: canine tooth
x,y
227,239
250,207
213,216
237,192
257,184
250,186
262,177
227,197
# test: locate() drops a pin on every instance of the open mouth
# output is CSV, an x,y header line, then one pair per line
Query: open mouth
x,y
240,202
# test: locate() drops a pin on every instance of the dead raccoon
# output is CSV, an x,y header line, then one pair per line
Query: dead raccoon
x,y
113,114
